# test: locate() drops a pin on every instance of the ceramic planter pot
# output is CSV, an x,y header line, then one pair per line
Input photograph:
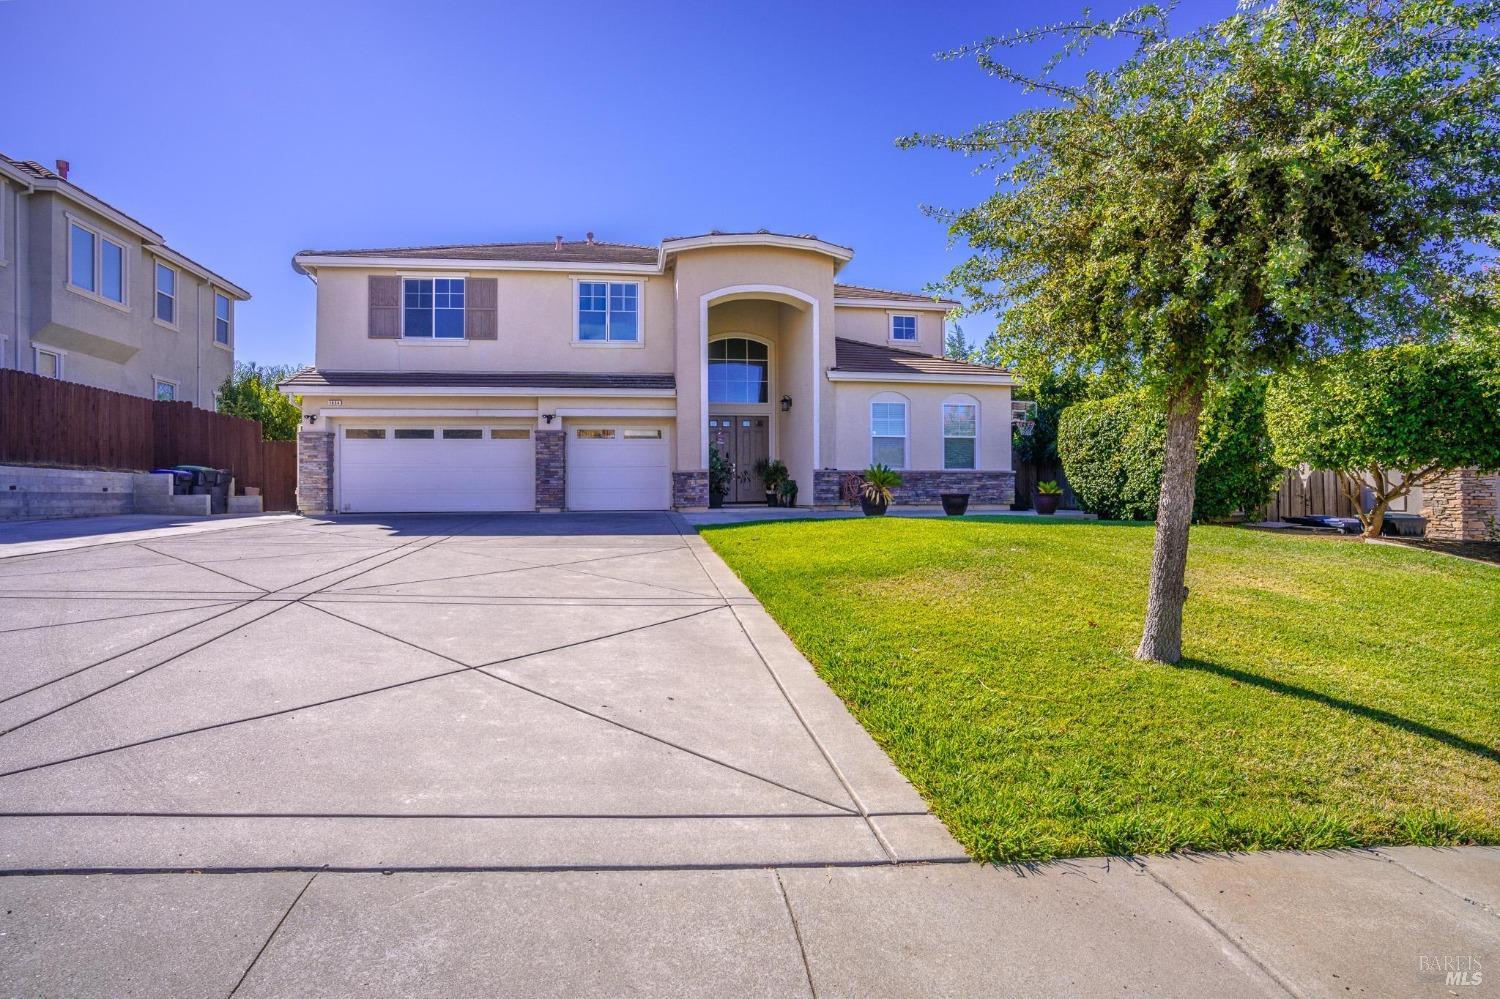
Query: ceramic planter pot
x,y
715,500
955,504
1045,502
770,497
873,508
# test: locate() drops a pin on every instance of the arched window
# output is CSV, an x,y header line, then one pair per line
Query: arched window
x,y
739,371
888,430
960,432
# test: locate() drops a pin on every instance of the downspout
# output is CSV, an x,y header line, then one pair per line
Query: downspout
x,y
198,348
17,262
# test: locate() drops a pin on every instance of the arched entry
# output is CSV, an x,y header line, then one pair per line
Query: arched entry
x,y
741,420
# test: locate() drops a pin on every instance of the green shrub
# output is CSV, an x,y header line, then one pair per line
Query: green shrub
x,y
1111,450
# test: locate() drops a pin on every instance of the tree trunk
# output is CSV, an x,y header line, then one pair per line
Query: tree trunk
x,y
1161,639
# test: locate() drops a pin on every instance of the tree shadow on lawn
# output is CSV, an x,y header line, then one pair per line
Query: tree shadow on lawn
x,y
1447,738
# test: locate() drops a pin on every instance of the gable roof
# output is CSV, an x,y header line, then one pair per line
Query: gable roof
x,y
315,378
856,357
38,177
572,252
862,293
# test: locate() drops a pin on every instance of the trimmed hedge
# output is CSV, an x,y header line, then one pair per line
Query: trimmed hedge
x,y
1111,450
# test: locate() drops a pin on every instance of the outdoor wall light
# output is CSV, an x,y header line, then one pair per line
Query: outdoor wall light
x,y
312,418
549,417
786,404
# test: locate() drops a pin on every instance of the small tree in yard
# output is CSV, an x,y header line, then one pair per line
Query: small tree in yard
x,y
251,393
1389,419
1298,179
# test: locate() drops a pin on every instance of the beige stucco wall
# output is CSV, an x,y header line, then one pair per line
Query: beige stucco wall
x,y
710,271
115,346
873,325
536,316
924,448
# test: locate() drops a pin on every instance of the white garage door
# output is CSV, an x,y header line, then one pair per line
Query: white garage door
x,y
434,469
618,468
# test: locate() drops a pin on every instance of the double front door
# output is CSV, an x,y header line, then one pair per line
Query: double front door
x,y
742,441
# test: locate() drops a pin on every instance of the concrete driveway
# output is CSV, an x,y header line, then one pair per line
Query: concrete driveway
x,y
424,692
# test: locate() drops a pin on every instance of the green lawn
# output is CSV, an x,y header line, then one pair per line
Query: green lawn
x,y
1333,693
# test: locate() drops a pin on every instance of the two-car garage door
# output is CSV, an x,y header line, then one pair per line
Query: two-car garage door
x,y
396,469
432,469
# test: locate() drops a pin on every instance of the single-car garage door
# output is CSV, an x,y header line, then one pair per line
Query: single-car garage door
x,y
618,468
435,469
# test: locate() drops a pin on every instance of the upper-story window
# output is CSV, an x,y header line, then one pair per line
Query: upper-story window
x,y
221,318
738,371
609,312
166,294
165,391
432,307
904,329
95,264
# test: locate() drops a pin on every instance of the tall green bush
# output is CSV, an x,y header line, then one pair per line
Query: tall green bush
x,y
1111,450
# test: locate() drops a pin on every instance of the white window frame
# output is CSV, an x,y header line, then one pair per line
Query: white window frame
x,y
36,355
944,438
157,383
640,311
916,329
97,292
213,332
175,296
434,338
892,398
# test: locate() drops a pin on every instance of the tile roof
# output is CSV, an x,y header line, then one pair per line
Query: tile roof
x,y
874,359
576,251
887,295
315,378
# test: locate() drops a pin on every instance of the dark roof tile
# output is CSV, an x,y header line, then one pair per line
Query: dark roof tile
x,y
856,356
311,378
885,294
574,252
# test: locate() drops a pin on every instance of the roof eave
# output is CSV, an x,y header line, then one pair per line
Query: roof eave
x,y
677,244
309,263
953,378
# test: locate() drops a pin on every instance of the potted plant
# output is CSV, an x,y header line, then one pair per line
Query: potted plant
x,y
788,492
772,474
851,488
876,496
718,478
955,504
1046,497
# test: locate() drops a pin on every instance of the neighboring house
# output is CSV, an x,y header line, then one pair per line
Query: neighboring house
x,y
595,376
90,295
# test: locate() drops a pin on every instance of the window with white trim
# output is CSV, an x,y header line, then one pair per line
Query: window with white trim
x,y
221,318
47,363
961,434
164,390
609,312
888,431
166,293
96,264
432,308
904,329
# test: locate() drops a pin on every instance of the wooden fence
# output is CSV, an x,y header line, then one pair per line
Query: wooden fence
x,y
44,421
1311,493
1028,475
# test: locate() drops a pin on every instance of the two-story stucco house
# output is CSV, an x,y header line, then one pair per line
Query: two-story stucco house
x,y
88,294
582,375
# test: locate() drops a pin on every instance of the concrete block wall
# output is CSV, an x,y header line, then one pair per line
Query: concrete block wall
x,y
35,493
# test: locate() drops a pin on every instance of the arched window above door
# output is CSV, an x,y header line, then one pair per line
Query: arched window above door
x,y
739,371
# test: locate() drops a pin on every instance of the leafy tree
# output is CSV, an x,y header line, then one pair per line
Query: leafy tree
x,y
250,392
1112,451
956,346
1302,177
1390,419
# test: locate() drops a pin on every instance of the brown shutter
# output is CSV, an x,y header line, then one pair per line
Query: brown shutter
x,y
385,307
481,302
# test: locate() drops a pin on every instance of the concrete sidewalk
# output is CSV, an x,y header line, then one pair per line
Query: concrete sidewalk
x,y
1401,922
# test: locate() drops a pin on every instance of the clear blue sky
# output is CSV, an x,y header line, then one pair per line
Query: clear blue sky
x,y
244,132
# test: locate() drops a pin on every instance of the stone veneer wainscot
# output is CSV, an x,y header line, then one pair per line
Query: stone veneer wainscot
x,y
925,488
314,471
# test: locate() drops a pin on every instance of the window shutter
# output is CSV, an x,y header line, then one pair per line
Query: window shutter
x,y
385,307
481,302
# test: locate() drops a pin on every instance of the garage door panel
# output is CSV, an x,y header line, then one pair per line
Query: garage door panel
x,y
434,475
618,472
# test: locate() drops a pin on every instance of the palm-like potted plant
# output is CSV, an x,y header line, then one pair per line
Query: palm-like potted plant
x,y
718,477
875,497
772,474
1046,497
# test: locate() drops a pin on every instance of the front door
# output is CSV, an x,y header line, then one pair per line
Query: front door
x,y
742,441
